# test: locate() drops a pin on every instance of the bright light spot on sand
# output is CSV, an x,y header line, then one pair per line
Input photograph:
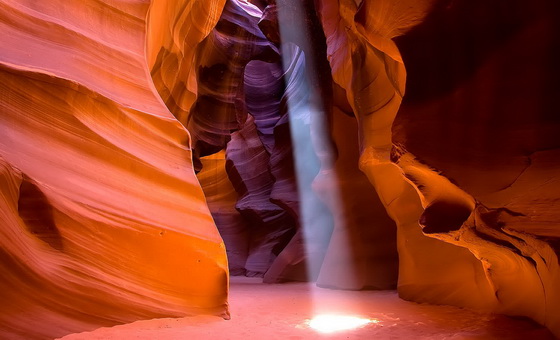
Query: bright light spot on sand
x,y
335,323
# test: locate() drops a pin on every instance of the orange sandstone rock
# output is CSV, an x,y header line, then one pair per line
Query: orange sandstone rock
x,y
103,220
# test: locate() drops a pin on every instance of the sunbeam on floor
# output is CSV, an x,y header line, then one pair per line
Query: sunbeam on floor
x,y
285,311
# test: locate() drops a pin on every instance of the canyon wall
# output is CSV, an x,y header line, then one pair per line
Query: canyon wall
x,y
467,167
358,144
102,218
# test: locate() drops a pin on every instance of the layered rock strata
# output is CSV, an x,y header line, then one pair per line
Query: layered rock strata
x,y
103,220
483,243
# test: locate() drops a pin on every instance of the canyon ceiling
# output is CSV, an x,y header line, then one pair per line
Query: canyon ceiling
x,y
150,149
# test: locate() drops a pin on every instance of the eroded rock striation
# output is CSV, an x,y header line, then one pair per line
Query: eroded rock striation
x,y
435,184
320,156
102,218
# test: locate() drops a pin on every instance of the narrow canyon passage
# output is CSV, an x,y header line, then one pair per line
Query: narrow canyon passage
x,y
218,168
278,158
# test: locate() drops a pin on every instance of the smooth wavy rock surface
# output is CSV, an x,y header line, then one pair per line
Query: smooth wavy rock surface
x,y
368,66
222,199
221,58
175,30
464,176
362,252
498,152
448,108
103,220
271,225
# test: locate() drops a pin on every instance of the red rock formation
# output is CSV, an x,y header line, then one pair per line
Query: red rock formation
x,y
103,220
271,227
220,60
492,131
362,252
222,198
175,30
478,273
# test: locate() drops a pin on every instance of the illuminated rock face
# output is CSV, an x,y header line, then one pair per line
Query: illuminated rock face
x,y
102,218
104,221
492,131
260,105
467,166
474,203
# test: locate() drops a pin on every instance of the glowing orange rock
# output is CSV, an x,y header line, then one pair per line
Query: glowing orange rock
x,y
222,198
493,243
103,220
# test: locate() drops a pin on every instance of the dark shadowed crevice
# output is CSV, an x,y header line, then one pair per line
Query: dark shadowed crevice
x,y
443,217
37,214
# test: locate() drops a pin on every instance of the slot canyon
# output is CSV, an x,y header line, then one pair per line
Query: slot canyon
x,y
227,169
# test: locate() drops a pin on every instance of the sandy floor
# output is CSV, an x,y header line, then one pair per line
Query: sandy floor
x,y
261,311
